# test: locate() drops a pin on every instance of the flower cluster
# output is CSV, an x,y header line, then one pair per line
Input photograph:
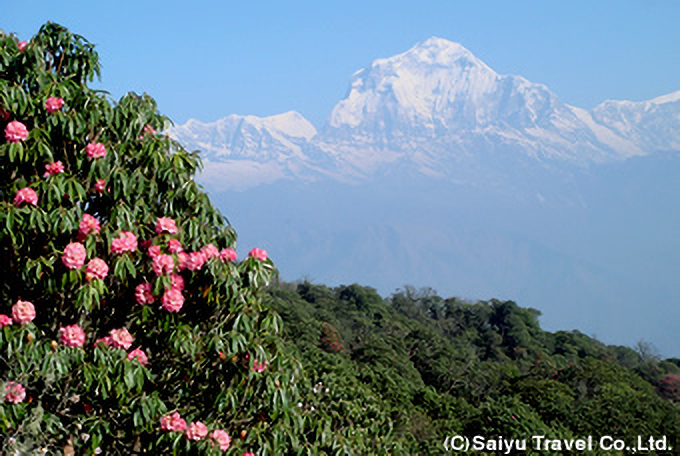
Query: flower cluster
x,y
96,269
14,392
228,255
23,312
174,246
162,264
139,355
95,150
166,225
74,255
16,132
52,169
100,186
195,261
196,431
143,294
88,225
53,104
125,242
172,300
221,438
173,422
209,251
72,336
259,254
121,338
26,196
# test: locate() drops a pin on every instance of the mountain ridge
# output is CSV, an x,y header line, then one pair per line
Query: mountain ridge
x,y
440,111
434,107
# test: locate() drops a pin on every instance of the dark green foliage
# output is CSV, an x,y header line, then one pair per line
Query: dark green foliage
x,y
426,368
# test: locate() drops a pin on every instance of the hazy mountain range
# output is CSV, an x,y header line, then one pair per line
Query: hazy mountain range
x,y
436,171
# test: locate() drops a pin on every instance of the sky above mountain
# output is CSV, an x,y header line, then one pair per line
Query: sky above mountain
x,y
265,58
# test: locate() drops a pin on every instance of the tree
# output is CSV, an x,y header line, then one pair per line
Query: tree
x,y
127,323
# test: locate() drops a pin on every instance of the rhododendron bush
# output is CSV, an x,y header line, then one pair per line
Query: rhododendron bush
x,y
126,321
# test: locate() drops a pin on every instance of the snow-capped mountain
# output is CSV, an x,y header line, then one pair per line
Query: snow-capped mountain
x,y
245,151
437,110
278,138
653,125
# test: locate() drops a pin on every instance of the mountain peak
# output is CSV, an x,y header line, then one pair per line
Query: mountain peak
x,y
434,52
440,46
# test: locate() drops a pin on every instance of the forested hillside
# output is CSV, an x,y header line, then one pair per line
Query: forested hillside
x,y
401,374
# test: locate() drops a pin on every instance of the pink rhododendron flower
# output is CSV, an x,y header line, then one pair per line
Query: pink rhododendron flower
x,y
166,225
72,336
260,254
14,392
143,294
88,225
52,169
5,321
54,104
177,282
22,45
26,195
228,255
248,453
154,251
209,251
126,242
15,132
182,258
121,338
95,150
197,431
139,355
174,246
96,269
195,261
163,264
259,367
221,438
100,186
172,300
23,312
74,255
104,340
173,422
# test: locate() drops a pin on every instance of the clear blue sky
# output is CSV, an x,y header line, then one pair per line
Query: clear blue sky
x,y
207,59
